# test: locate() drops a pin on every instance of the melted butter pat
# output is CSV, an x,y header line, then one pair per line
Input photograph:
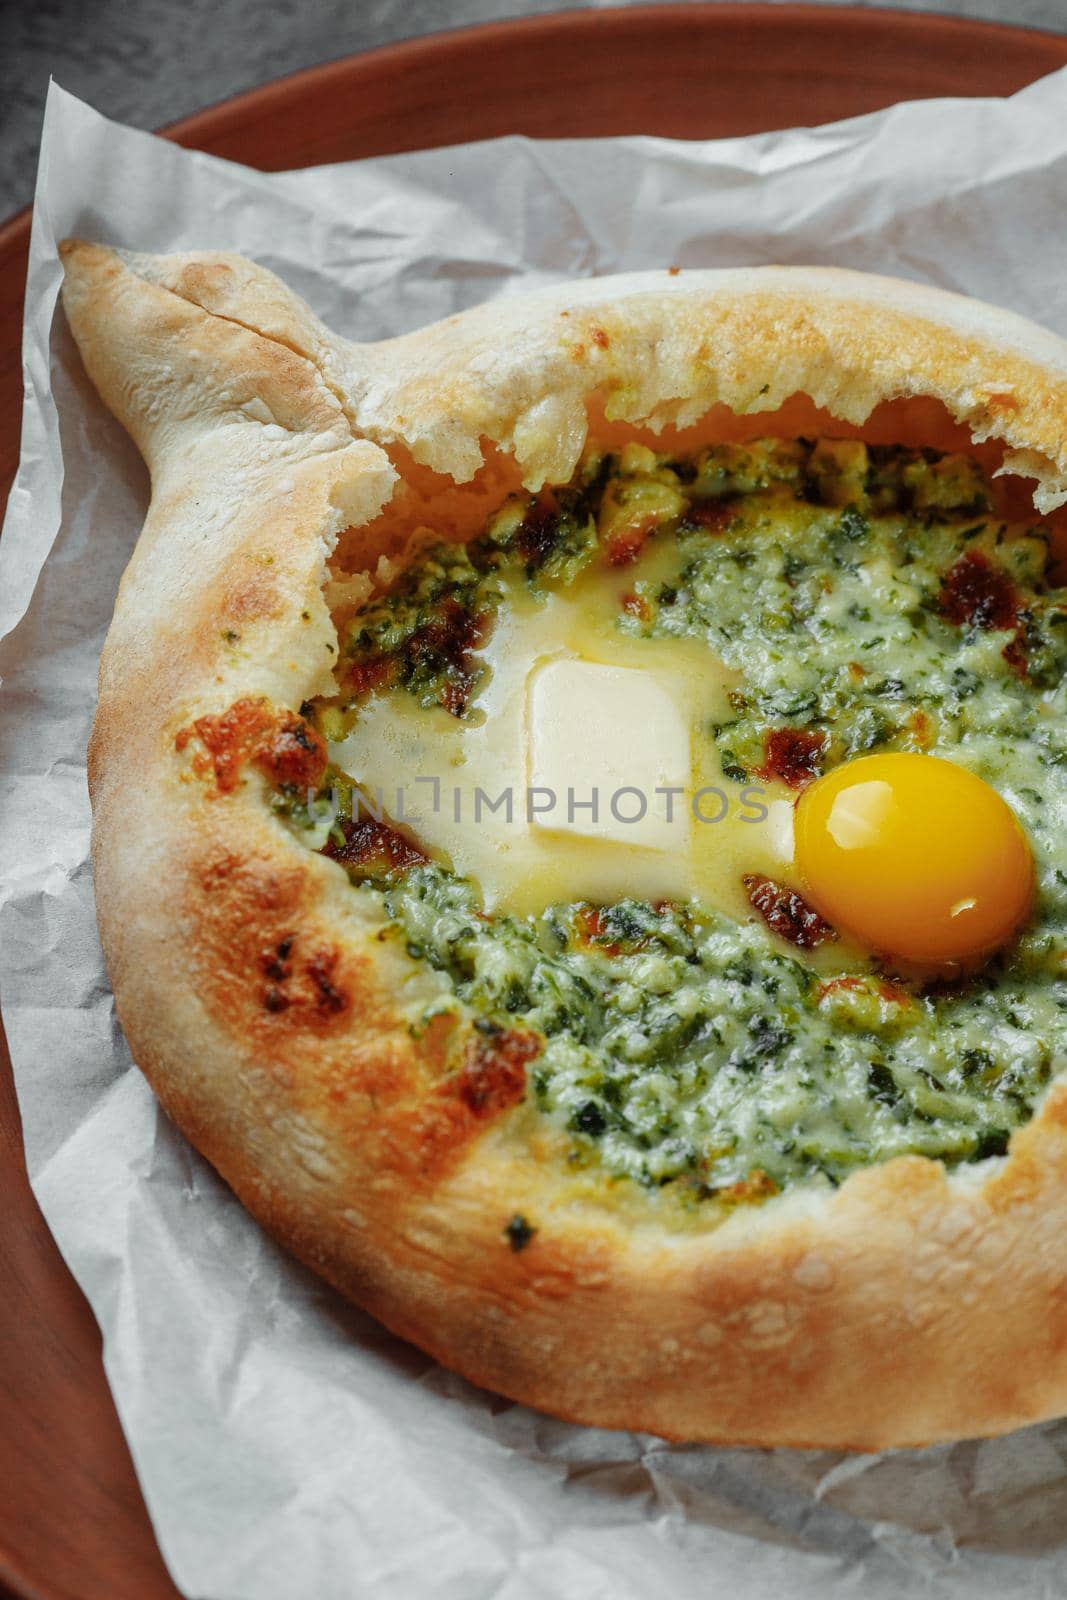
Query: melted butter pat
x,y
608,754
526,861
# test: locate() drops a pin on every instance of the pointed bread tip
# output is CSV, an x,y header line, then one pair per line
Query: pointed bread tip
x,y
76,247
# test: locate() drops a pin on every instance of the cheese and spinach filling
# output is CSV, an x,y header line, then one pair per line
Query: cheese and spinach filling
x,y
852,599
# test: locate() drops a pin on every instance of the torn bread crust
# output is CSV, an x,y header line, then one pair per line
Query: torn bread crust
x,y
666,348
907,1306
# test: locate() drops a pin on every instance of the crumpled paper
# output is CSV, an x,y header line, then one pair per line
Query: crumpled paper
x,y
287,1445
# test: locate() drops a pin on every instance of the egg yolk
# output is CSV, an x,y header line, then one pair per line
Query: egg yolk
x,y
914,857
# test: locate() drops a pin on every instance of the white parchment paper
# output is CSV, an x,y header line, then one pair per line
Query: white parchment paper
x,y
288,1447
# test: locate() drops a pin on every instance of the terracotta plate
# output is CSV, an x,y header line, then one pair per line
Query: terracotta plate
x,y
72,1522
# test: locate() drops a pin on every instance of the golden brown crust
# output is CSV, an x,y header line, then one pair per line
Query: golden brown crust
x,y
906,1307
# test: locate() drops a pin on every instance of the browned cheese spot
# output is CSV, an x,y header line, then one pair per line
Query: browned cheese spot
x,y
786,913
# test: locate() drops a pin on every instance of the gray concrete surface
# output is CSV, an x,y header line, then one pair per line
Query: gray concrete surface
x,y
148,62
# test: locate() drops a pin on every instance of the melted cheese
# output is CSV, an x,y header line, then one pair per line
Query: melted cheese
x,y
463,786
